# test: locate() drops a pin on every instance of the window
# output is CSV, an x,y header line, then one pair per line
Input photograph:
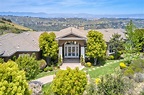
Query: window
x,y
111,51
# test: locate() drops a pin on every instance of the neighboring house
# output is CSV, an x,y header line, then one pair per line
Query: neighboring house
x,y
71,41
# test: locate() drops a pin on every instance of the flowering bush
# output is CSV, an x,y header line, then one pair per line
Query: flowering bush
x,y
122,65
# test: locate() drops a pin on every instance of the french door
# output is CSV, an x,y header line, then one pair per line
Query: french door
x,y
71,51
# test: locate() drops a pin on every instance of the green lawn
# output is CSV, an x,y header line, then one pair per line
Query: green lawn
x,y
107,69
46,89
42,74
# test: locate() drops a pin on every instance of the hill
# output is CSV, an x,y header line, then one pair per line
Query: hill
x,y
56,24
7,26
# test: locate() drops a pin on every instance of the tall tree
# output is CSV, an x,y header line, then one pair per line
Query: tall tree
x,y
48,45
117,44
96,46
139,36
131,41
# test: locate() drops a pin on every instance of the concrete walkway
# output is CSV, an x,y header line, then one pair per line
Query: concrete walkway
x,y
48,79
71,65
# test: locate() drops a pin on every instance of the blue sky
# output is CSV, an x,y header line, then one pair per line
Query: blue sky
x,y
74,6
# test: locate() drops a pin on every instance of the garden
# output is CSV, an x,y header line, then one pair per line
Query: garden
x,y
121,73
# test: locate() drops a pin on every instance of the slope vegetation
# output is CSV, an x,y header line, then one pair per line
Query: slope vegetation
x,y
7,26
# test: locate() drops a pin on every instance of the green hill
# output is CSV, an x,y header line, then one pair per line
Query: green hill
x,y
7,26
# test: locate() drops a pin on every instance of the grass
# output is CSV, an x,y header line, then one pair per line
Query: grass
x,y
46,88
43,74
107,69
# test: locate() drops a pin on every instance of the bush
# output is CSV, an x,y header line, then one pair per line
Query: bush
x,y
60,60
117,55
111,57
69,82
102,60
82,60
129,72
91,88
122,65
88,64
136,66
29,64
1,60
12,80
109,85
48,69
42,64
112,85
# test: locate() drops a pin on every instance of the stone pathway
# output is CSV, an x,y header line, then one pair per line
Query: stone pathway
x,y
48,79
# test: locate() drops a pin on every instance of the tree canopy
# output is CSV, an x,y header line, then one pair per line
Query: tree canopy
x,y
139,35
96,46
48,44
134,38
117,44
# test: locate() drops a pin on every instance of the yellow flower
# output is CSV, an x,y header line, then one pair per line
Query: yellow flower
x,y
122,65
97,80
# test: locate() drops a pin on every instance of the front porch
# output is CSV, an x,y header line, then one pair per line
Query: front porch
x,y
72,63
71,60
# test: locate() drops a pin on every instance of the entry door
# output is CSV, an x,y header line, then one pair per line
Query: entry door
x,y
71,51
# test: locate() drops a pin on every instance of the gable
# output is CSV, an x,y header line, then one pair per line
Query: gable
x,y
71,36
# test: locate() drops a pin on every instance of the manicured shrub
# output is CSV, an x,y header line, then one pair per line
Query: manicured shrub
x,y
122,65
1,60
12,80
111,57
48,69
42,64
69,82
29,64
88,64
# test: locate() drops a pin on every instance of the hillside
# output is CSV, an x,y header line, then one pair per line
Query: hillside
x,y
7,26
56,24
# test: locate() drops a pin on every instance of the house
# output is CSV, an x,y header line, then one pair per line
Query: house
x,y
71,41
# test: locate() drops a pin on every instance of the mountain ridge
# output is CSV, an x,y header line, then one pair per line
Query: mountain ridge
x,y
72,15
